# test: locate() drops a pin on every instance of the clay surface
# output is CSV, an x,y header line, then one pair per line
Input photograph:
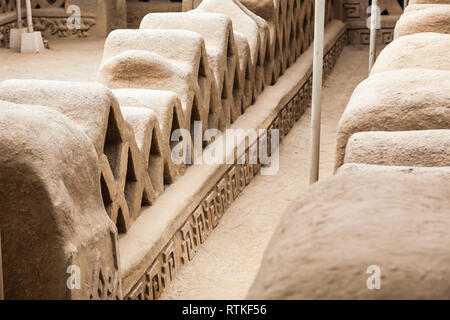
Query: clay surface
x,y
426,148
421,50
125,184
216,29
330,236
251,231
172,60
169,117
51,214
430,19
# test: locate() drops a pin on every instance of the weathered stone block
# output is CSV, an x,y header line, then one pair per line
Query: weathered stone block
x,y
430,19
421,50
216,29
51,215
425,148
400,100
331,239
246,26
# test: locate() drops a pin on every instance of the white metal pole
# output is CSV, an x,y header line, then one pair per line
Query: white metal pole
x,y
19,13
29,17
319,26
187,5
1,271
373,33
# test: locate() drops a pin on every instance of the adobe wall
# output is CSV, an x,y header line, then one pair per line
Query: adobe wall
x,y
153,81
355,14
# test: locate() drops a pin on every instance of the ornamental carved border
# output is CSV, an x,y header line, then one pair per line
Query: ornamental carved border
x,y
51,27
183,246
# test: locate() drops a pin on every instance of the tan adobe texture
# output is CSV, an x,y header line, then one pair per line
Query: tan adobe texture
x,y
328,238
399,100
429,19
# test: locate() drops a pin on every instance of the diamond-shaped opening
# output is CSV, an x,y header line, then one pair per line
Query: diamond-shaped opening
x,y
236,83
101,284
203,81
305,23
131,184
236,87
267,67
230,52
231,66
176,124
202,77
195,114
203,84
145,200
277,49
285,44
210,103
202,68
259,61
267,56
292,41
107,201
113,144
155,162
299,34
248,89
121,225
247,72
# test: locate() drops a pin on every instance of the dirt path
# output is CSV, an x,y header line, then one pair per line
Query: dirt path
x,y
227,263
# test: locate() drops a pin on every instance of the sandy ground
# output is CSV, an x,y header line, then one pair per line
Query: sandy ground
x,y
67,59
225,266
227,263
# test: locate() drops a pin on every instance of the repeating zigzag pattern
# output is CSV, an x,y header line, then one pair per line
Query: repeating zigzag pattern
x,y
209,64
236,49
